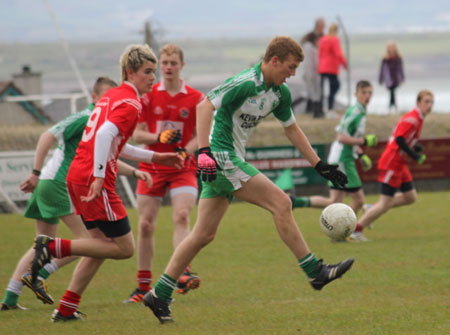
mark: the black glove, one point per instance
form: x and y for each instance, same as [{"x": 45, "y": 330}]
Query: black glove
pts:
[
  {"x": 331, "y": 173},
  {"x": 207, "y": 165},
  {"x": 418, "y": 148}
]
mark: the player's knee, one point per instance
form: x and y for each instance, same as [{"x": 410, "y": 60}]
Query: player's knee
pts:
[
  {"x": 358, "y": 204},
  {"x": 204, "y": 239},
  {"x": 126, "y": 252},
  {"x": 283, "y": 205},
  {"x": 411, "y": 198},
  {"x": 147, "y": 227},
  {"x": 181, "y": 217}
]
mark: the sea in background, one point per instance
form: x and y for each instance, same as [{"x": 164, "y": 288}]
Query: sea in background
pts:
[{"x": 209, "y": 62}]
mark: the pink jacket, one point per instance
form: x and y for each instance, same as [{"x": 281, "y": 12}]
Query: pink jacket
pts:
[{"x": 330, "y": 55}]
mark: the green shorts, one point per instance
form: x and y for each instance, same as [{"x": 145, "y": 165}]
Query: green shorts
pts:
[
  {"x": 49, "y": 201},
  {"x": 229, "y": 179},
  {"x": 349, "y": 168}
]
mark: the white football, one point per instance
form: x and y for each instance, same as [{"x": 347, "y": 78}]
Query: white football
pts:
[{"x": 338, "y": 221}]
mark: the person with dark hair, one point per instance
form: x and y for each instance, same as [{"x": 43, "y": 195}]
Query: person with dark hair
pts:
[
  {"x": 345, "y": 150},
  {"x": 237, "y": 106},
  {"x": 91, "y": 181},
  {"x": 49, "y": 200},
  {"x": 330, "y": 59},
  {"x": 393, "y": 172},
  {"x": 391, "y": 73}
]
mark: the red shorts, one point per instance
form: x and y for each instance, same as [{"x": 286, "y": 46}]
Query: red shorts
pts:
[
  {"x": 395, "y": 178},
  {"x": 173, "y": 180},
  {"x": 107, "y": 207}
]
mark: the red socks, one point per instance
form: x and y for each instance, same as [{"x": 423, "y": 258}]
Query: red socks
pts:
[
  {"x": 359, "y": 228},
  {"x": 144, "y": 279},
  {"x": 59, "y": 247},
  {"x": 69, "y": 303}
]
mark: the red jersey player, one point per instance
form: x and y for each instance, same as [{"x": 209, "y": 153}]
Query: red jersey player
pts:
[
  {"x": 167, "y": 124},
  {"x": 91, "y": 181},
  {"x": 393, "y": 172}
]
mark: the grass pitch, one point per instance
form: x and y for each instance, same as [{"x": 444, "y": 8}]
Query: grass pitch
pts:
[{"x": 251, "y": 284}]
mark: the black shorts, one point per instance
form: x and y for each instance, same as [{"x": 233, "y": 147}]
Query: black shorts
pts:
[
  {"x": 110, "y": 228},
  {"x": 390, "y": 191},
  {"x": 348, "y": 190}
]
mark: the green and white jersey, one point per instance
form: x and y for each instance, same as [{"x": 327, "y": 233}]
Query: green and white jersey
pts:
[
  {"x": 68, "y": 133},
  {"x": 241, "y": 102},
  {"x": 352, "y": 124}
]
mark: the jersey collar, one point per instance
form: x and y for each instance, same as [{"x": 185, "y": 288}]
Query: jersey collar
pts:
[
  {"x": 361, "y": 106},
  {"x": 183, "y": 89},
  {"x": 260, "y": 76},
  {"x": 420, "y": 113},
  {"x": 134, "y": 88}
]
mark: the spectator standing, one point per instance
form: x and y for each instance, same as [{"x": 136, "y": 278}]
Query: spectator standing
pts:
[
  {"x": 330, "y": 58},
  {"x": 391, "y": 72},
  {"x": 311, "y": 77}
]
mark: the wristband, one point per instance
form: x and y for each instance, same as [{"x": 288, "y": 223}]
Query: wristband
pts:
[{"x": 36, "y": 172}]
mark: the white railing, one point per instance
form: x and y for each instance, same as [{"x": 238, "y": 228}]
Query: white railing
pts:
[{"x": 73, "y": 97}]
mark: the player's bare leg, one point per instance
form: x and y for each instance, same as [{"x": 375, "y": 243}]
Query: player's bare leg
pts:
[
  {"x": 148, "y": 212},
  {"x": 406, "y": 198},
  {"x": 210, "y": 213},
  {"x": 259, "y": 190},
  {"x": 148, "y": 207},
  {"x": 209, "y": 216},
  {"x": 358, "y": 199},
  {"x": 182, "y": 205},
  {"x": 322, "y": 202}
]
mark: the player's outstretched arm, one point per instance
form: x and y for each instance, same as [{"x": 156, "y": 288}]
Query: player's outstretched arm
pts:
[
  {"x": 300, "y": 141},
  {"x": 169, "y": 159},
  {"x": 134, "y": 153},
  {"x": 295, "y": 134}
]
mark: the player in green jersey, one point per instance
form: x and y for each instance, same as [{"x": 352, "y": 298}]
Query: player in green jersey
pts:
[
  {"x": 50, "y": 200},
  {"x": 234, "y": 109},
  {"x": 345, "y": 150}
]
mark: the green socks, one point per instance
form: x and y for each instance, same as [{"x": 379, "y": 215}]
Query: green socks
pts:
[
  {"x": 43, "y": 273},
  {"x": 10, "y": 299},
  {"x": 308, "y": 264},
  {"x": 164, "y": 287},
  {"x": 301, "y": 202}
]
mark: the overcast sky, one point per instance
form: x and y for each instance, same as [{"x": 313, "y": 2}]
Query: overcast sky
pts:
[{"x": 96, "y": 20}]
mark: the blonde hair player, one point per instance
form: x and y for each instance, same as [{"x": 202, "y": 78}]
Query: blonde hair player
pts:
[{"x": 91, "y": 181}]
